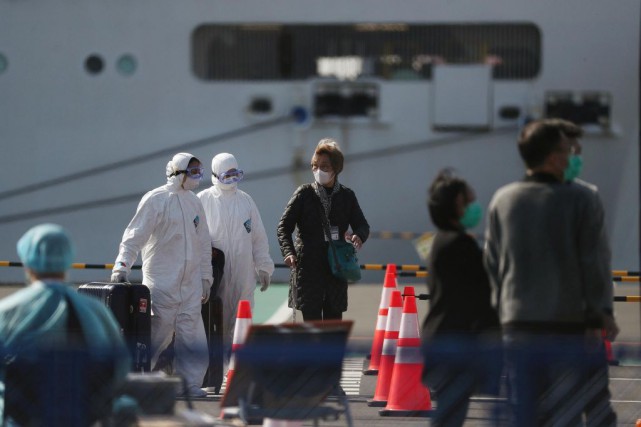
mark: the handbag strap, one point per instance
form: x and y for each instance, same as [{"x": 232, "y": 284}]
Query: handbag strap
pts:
[{"x": 325, "y": 222}]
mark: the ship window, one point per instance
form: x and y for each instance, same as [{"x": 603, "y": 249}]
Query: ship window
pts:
[
  {"x": 94, "y": 64},
  {"x": 126, "y": 65},
  {"x": 4, "y": 63},
  {"x": 388, "y": 51}
]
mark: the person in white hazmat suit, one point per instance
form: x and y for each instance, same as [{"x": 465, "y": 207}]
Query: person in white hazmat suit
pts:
[
  {"x": 170, "y": 231},
  {"x": 236, "y": 228}
]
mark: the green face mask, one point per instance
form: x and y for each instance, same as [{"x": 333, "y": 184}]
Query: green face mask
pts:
[
  {"x": 472, "y": 215},
  {"x": 575, "y": 165}
]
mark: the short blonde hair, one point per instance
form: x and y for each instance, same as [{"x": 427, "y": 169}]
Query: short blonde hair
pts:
[{"x": 330, "y": 147}]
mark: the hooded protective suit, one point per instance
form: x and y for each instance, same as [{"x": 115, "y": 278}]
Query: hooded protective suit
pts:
[
  {"x": 170, "y": 231},
  {"x": 236, "y": 228},
  {"x": 47, "y": 330}
]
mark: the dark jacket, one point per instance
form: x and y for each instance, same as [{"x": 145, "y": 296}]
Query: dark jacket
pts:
[
  {"x": 461, "y": 332},
  {"x": 460, "y": 291},
  {"x": 304, "y": 211}
]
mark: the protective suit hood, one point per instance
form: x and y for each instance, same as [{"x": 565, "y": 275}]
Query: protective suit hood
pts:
[
  {"x": 222, "y": 163},
  {"x": 178, "y": 163}
]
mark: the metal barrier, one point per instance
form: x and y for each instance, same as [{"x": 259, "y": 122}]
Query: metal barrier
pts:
[
  {"x": 405, "y": 270},
  {"x": 623, "y": 298},
  {"x": 78, "y": 265}
]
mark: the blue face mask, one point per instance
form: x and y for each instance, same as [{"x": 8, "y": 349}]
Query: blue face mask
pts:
[
  {"x": 575, "y": 165},
  {"x": 472, "y": 215}
]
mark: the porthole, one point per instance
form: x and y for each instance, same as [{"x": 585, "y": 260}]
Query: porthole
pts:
[
  {"x": 94, "y": 64},
  {"x": 126, "y": 65}
]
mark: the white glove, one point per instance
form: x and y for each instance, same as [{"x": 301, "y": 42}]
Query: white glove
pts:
[
  {"x": 264, "y": 279},
  {"x": 206, "y": 291},
  {"x": 118, "y": 277}
]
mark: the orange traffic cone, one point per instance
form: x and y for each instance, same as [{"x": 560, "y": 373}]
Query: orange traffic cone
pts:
[
  {"x": 408, "y": 397},
  {"x": 381, "y": 321},
  {"x": 388, "y": 354},
  {"x": 389, "y": 269},
  {"x": 243, "y": 322},
  {"x": 608, "y": 350}
]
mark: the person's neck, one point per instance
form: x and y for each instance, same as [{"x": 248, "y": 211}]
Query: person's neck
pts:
[{"x": 547, "y": 170}]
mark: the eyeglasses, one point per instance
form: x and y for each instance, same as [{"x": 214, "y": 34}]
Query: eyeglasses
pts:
[
  {"x": 195, "y": 172},
  {"x": 230, "y": 177}
]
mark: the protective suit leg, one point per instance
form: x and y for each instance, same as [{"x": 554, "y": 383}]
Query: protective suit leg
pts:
[
  {"x": 192, "y": 357},
  {"x": 162, "y": 329}
]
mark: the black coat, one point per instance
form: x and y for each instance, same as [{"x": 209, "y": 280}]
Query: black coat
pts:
[
  {"x": 461, "y": 332},
  {"x": 315, "y": 282},
  {"x": 460, "y": 293}
]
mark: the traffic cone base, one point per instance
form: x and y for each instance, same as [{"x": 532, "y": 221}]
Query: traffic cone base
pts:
[{"x": 401, "y": 413}]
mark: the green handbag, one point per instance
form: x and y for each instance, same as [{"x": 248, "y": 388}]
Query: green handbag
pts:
[{"x": 343, "y": 261}]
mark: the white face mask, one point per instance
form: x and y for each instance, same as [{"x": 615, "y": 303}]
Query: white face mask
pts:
[
  {"x": 226, "y": 187},
  {"x": 191, "y": 183},
  {"x": 322, "y": 177}
]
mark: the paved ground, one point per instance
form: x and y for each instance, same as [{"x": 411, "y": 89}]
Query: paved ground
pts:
[{"x": 625, "y": 380}]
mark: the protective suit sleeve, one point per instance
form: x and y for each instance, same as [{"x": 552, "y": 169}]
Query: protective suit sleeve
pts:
[
  {"x": 137, "y": 233},
  {"x": 205, "y": 244},
  {"x": 119, "y": 277},
  {"x": 206, "y": 291},
  {"x": 260, "y": 244},
  {"x": 264, "y": 278}
]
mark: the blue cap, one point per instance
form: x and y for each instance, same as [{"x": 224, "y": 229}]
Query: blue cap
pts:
[{"x": 46, "y": 248}]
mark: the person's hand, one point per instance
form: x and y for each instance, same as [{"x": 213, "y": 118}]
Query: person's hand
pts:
[
  {"x": 206, "y": 292},
  {"x": 290, "y": 260},
  {"x": 264, "y": 279},
  {"x": 118, "y": 277},
  {"x": 354, "y": 240},
  {"x": 610, "y": 327}
]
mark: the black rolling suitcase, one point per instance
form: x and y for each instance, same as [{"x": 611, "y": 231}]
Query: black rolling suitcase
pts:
[
  {"x": 131, "y": 306},
  {"x": 212, "y": 313}
]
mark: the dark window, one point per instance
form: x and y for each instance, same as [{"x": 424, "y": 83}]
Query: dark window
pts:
[
  {"x": 94, "y": 64},
  {"x": 388, "y": 51}
]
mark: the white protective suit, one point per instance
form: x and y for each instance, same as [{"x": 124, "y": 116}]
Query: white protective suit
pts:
[
  {"x": 236, "y": 228},
  {"x": 170, "y": 231}
]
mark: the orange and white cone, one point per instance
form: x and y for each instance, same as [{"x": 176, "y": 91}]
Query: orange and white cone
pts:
[
  {"x": 408, "y": 397},
  {"x": 389, "y": 285},
  {"x": 388, "y": 353},
  {"x": 608, "y": 350},
  {"x": 243, "y": 323}
]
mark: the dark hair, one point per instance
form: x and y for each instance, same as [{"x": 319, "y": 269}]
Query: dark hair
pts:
[
  {"x": 330, "y": 147},
  {"x": 541, "y": 137},
  {"x": 441, "y": 202}
]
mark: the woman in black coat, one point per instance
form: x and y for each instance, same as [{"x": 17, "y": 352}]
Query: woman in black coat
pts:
[
  {"x": 461, "y": 330},
  {"x": 325, "y": 203}
]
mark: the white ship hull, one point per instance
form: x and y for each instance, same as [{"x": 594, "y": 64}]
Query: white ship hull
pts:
[{"x": 57, "y": 119}]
